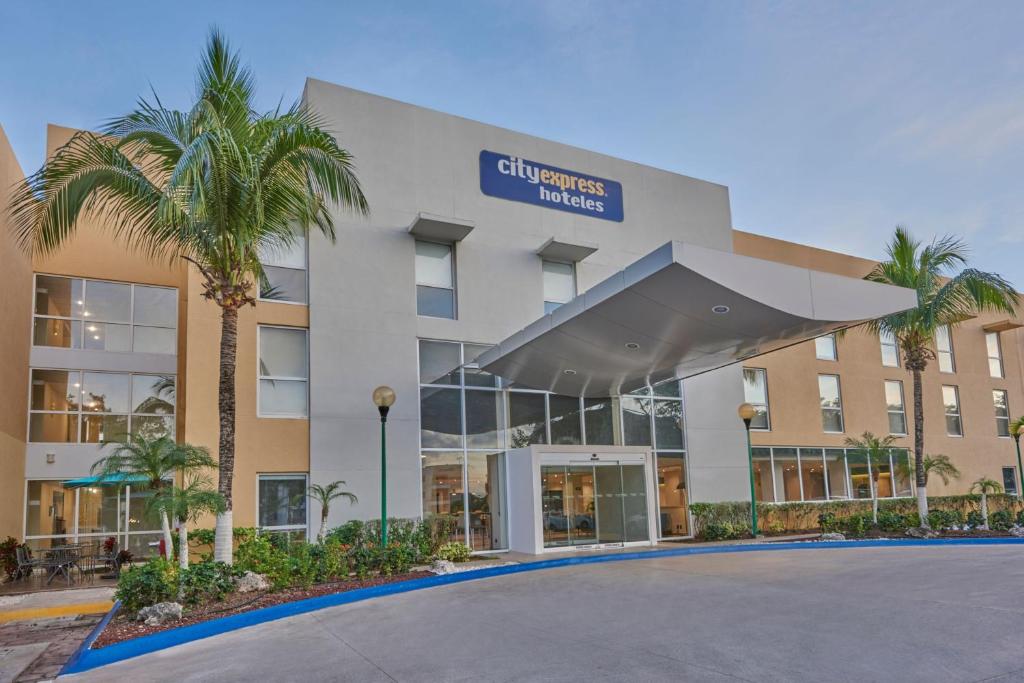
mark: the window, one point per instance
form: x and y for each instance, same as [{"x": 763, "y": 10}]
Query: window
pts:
[
  {"x": 951, "y": 401},
  {"x": 559, "y": 284},
  {"x": 73, "y": 313},
  {"x": 831, "y": 403},
  {"x": 1010, "y": 480},
  {"x": 755, "y": 392},
  {"x": 995, "y": 354},
  {"x": 75, "y": 406},
  {"x": 944, "y": 348},
  {"x": 894, "y": 404},
  {"x": 787, "y": 474},
  {"x": 285, "y": 268},
  {"x": 283, "y": 371},
  {"x": 435, "y": 280},
  {"x": 825, "y": 347},
  {"x": 1002, "y": 407},
  {"x": 890, "y": 351},
  {"x": 281, "y": 506}
]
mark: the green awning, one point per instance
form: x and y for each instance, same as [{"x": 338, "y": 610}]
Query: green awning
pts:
[{"x": 109, "y": 480}]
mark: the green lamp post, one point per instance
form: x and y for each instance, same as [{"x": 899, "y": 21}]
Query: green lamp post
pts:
[
  {"x": 383, "y": 398},
  {"x": 1020, "y": 472},
  {"x": 747, "y": 413}
]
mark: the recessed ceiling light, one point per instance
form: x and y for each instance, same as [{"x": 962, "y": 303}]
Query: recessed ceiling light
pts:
[
  {"x": 570, "y": 371},
  {"x": 720, "y": 309},
  {"x": 632, "y": 346}
]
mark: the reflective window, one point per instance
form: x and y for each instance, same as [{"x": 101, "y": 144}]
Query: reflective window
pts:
[
  {"x": 1010, "y": 480},
  {"x": 995, "y": 354},
  {"x": 812, "y": 474},
  {"x": 1002, "y": 407},
  {"x": 890, "y": 351},
  {"x": 825, "y": 347},
  {"x": 283, "y": 371},
  {"x": 951, "y": 403},
  {"x": 281, "y": 506},
  {"x": 786, "y": 470},
  {"x": 566, "y": 427},
  {"x": 439, "y": 362},
  {"x": 636, "y": 421},
  {"x": 284, "y": 266},
  {"x": 599, "y": 421},
  {"x": 894, "y": 406},
  {"x": 559, "y": 284},
  {"x": 755, "y": 392},
  {"x": 831, "y": 403},
  {"x": 526, "y": 419},
  {"x": 485, "y": 492},
  {"x": 443, "y": 490},
  {"x": 944, "y": 349},
  {"x": 785, "y": 474},
  {"x": 104, "y": 316},
  {"x": 435, "y": 280},
  {"x": 673, "y": 500},
  {"x": 763, "y": 481}
]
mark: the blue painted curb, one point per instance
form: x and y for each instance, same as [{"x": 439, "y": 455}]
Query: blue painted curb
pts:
[
  {"x": 86, "y": 644},
  {"x": 88, "y": 658}
]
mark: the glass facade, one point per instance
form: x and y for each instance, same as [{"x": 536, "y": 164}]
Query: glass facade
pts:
[
  {"x": 75, "y": 313},
  {"x": 784, "y": 474},
  {"x": 283, "y": 371}
]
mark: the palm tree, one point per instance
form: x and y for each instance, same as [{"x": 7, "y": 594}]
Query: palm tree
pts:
[
  {"x": 213, "y": 185},
  {"x": 876, "y": 453},
  {"x": 985, "y": 486},
  {"x": 946, "y": 295},
  {"x": 151, "y": 464},
  {"x": 186, "y": 504},
  {"x": 939, "y": 465},
  {"x": 325, "y": 495}
]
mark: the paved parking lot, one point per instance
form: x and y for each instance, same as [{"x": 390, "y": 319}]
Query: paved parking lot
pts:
[{"x": 857, "y": 614}]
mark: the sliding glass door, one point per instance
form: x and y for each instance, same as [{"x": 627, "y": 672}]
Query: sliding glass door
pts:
[{"x": 588, "y": 504}]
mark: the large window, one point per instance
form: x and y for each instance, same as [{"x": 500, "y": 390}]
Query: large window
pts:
[
  {"x": 944, "y": 348},
  {"x": 825, "y": 347},
  {"x": 784, "y": 474},
  {"x": 283, "y": 372},
  {"x": 995, "y": 354},
  {"x": 69, "y": 406},
  {"x": 281, "y": 506},
  {"x": 559, "y": 284},
  {"x": 55, "y": 516},
  {"x": 890, "y": 351},
  {"x": 435, "y": 280},
  {"x": 951, "y": 403},
  {"x": 285, "y": 268},
  {"x": 755, "y": 392},
  {"x": 1002, "y": 407},
  {"x": 106, "y": 316},
  {"x": 895, "y": 407},
  {"x": 831, "y": 403},
  {"x": 1010, "y": 480}
]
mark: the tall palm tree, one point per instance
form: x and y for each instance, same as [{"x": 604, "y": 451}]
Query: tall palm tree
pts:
[
  {"x": 985, "y": 486},
  {"x": 151, "y": 464},
  {"x": 947, "y": 294},
  {"x": 940, "y": 465},
  {"x": 875, "y": 451},
  {"x": 214, "y": 185},
  {"x": 186, "y": 504},
  {"x": 325, "y": 495}
]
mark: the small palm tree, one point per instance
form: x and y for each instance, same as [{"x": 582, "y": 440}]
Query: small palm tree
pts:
[
  {"x": 325, "y": 495},
  {"x": 151, "y": 464},
  {"x": 186, "y": 504},
  {"x": 946, "y": 295},
  {"x": 876, "y": 452},
  {"x": 985, "y": 486},
  {"x": 214, "y": 185},
  {"x": 940, "y": 465}
]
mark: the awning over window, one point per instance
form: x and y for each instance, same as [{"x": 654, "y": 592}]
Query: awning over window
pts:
[
  {"x": 111, "y": 480},
  {"x": 679, "y": 311}
]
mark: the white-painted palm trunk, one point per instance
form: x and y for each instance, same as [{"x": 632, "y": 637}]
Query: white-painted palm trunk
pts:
[
  {"x": 222, "y": 539},
  {"x": 984, "y": 511},
  {"x": 922, "y": 506},
  {"x": 183, "y": 546},
  {"x": 874, "y": 501},
  {"x": 323, "y": 527},
  {"x": 165, "y": 526}
]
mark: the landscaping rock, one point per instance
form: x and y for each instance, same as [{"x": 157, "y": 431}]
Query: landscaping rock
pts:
[
  {"x": 443, "y": 567},
  {"x": 160, "y": 613},
  {"x": 832, "y": 536},
  {"x": 1017, "y": 531},
  {"x": 251, "y": 581},
  {"x": 921, "y": 532}
]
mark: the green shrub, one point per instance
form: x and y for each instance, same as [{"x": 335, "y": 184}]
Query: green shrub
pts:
[
  {"x": 1020, "y": 518},
  {"x": 945, "y": 519},
  {"x": 331, "y": 559},
  {"x": 1000, "y": 520},
  {"x": 722, "y": 531},
  {"x": 974, "y": 519},
  {"x": 8, "y": 556},
  {"x": 259, "y": 554},
  {"x": 205, "y": 581},
  {"x": 302, "y": 565},
  {"x": 829, "y": 523},
  {"x": 453, "y": 552},
  {"x": 856, "y": 526},
  {"x": 147, "y": 584},
  {"x": 397, "y": 558},
  {"x": 349, "y": 533}
]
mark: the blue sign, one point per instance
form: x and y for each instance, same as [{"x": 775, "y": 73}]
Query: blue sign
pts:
[{"x": 521, "y": 180}]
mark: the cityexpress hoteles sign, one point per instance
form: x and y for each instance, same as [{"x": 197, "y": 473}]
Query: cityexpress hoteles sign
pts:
[{"x": 522, "y": 180}]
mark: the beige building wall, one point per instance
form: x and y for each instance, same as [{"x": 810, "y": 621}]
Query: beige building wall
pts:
[
  {"x": 15, "y": 313},
  {"x": 793, "y": 382}
]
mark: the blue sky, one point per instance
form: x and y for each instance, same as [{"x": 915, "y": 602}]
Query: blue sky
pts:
[{"x": 830, "y": 122}]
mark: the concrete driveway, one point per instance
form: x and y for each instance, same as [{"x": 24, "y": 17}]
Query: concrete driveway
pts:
[{"x": 856, "y": 614}]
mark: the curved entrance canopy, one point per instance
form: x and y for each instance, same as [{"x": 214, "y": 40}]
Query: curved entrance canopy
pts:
[{"x": 680, "y": 311}]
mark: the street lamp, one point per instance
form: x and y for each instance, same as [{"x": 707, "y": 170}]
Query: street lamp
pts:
[
  {"x": 1016, "y": 438},
  {"x": 383, "y": 398},
  {"x": 747, "y": 413}
]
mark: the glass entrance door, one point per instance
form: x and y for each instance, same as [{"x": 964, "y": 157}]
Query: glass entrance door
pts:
[{"x": 593, "y": 503}]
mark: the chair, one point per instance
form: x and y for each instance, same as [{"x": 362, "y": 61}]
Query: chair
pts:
[
  {"x": 107, "y": 559},
  {"x": 60, "y": 561},
  {"x": 26, "y": 563}
]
